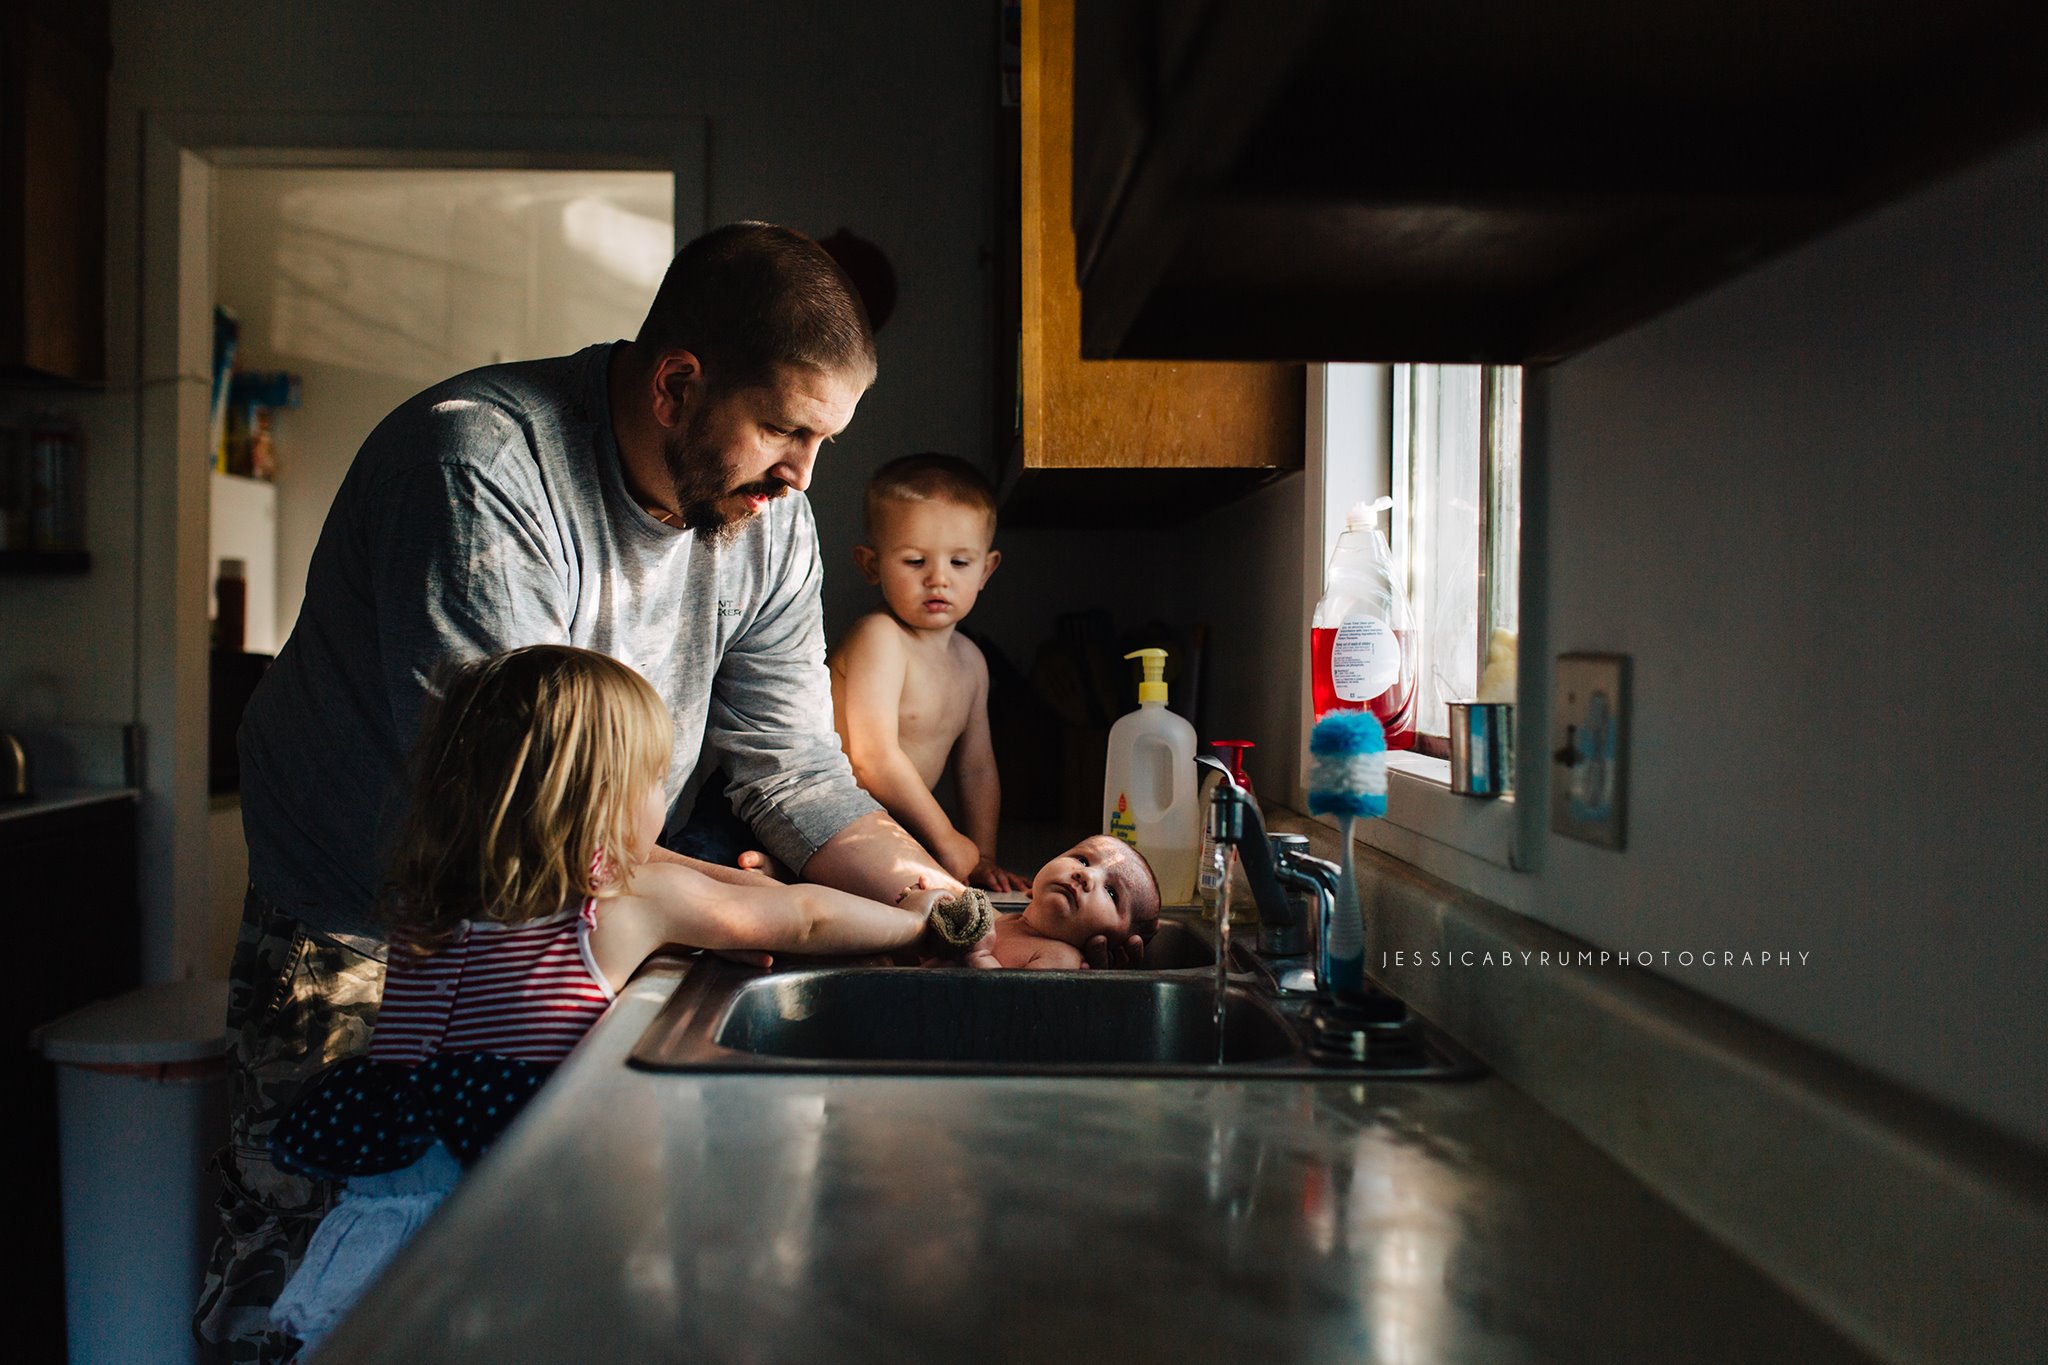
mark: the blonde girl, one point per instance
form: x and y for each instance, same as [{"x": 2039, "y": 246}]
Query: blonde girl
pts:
[
  {"x": 541, "y": 786},
  {"x": 524, "y": 890}
]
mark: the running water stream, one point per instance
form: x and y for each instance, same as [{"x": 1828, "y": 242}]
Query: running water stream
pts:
[{"x": 1229, "y": 852}]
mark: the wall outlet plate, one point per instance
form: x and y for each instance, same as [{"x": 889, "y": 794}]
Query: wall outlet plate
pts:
[{"x": 1589, "y": 748}]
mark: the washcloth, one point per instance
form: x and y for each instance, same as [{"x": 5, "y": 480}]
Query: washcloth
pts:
[{"x": 959, "y": 922}]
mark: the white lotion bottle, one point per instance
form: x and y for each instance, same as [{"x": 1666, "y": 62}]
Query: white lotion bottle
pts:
[{"x": 1148, "y": 791}]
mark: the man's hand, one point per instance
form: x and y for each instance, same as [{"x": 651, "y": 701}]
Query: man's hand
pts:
[
  {"x": 755, "y": 869},
  {"x": 754, "y": 860},
  {"x": 990, "y": 877},
  {"x": 1100, "y": 952}
]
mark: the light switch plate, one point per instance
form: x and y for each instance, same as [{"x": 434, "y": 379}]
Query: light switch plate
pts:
[{"x": 1589, "y": 748}]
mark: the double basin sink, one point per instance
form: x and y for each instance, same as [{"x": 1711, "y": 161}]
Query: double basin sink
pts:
[{"x": 1157, "y": 1020}]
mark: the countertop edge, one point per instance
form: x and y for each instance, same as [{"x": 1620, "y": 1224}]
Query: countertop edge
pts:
[{"x": 556, "y": 1115}]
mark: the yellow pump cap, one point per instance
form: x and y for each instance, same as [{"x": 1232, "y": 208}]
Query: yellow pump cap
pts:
[{"x": 1153, "y": 688}]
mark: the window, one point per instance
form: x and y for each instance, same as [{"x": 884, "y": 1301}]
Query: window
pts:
[
  {"x": 1456, "y": 452},
  {"x": 1445, "y": 443}
]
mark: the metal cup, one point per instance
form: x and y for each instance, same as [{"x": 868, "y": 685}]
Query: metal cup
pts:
[{"x": 1482, "y": 747}]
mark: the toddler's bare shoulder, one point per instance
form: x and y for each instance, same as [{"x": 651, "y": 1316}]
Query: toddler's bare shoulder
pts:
[
  {"x": 967, "y": 658},
  {"x": 878, "y": 625},
  {"x": 873, "y": 634}
]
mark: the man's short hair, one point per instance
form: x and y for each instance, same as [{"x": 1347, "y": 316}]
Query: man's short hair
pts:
[
  {"x": 926, "y": 478},
  {"x": 749, "y": 297}
]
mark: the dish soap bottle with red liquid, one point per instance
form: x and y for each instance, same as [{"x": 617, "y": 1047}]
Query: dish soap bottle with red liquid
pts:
[{"x": 1361, "y": 640}]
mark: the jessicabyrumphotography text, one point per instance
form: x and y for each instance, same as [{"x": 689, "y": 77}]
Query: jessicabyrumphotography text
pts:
[{"x": 1595, "y": 957}]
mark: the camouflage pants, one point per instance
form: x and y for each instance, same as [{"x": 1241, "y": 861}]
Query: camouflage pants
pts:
[{"x": 296, "y": 1002}]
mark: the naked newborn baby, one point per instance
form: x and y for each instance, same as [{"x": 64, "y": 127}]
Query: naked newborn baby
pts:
[{"x": 1099, "y": 886}]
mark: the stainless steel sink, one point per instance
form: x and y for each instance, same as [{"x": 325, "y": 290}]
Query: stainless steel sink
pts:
[
  {"x": 1157, "y": 1022},
  {"x": 922, "y": 1016},
  {"x": 1181, "y": 944}
]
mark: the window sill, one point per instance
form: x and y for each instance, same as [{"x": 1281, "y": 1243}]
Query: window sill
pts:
[
  {"x": 1421, "y": 803},
  {"x": 1420, "y": 799}
]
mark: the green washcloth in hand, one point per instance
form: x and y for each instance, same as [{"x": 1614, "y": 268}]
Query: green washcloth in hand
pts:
[{"x": 959, "y": 922}]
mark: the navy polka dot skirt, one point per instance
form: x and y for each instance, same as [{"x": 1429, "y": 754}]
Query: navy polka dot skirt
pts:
[{"x": 364, "y": 1117}]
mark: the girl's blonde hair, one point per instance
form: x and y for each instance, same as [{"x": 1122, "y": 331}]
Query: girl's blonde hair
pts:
[{"x": 528, "y": 773}]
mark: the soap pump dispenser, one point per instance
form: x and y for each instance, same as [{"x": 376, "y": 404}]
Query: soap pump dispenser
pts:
[{"x": 1148, "y": 790}]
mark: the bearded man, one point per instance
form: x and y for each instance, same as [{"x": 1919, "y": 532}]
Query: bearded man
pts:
[{"x": 633, "y": 498}]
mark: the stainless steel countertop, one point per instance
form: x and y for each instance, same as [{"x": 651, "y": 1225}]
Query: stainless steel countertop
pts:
[{"x": 641, "y": 1215}]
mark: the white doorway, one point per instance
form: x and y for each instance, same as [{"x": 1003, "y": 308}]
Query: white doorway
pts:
[
  {"x": 370, "y": 285},
  {"x": 370, "y": 274},
  {"x": 364, "y": 287}
]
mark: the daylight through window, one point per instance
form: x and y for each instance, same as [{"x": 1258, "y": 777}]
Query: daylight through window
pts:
[{"x": 1456, "y": 530}]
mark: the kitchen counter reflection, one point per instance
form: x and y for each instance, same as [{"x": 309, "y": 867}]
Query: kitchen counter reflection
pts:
[{"x": 643, "y": 1215}]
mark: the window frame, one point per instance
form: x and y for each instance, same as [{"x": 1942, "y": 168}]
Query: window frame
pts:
[{"x": 1480, "y": 844}]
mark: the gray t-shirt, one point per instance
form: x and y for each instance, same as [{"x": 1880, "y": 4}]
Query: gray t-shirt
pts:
[{"x": 490, "y": 512}]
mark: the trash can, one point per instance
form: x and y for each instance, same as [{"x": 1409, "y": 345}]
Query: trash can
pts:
[{"x": 142, "y": 1105}]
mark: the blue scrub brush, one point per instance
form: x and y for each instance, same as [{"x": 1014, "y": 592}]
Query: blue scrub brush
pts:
[{"x": 1347, "y": 778}]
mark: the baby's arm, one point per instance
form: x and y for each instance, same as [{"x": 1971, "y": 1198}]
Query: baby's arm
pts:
[
  {"x": 868, "y": 670},
  {"x": 981, "y": 789},
  {"x": 672, "y": 903}
]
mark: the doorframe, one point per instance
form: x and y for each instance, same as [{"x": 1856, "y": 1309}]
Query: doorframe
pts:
[{"x": 173, "y": 368}]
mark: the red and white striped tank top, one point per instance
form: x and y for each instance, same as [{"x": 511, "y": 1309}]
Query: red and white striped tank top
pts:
[{"x": 528, "y": 990}]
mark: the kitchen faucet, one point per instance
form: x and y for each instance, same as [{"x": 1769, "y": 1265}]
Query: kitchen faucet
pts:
[
  {"x": 1317, "y": 879},
  {"x": 1247, "y": 830},
  {"x": 1274, "y": 865}
]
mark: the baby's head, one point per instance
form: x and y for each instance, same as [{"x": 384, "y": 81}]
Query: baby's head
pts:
[
  {"x": 538, "y": 778},
  {"x": 930, "y": 521},
  {"x": 1099, "y": 886}
]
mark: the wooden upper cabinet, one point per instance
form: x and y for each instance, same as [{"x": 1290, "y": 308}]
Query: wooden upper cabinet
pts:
[
  {"x": 1464, "y": 180},
  {"x": 53, "y": 192},
  {"x": 1241, "y": 422}
]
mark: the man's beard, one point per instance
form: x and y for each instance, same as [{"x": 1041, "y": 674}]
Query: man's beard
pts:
[{"x": 703, "y": 482}]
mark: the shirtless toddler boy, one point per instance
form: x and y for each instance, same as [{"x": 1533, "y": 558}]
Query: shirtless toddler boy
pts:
[
  {"x": 908, "y": 692},
  {"x": 1099, "y": 886}
]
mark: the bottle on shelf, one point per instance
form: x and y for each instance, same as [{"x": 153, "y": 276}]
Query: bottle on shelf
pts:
[
  {"x": 231, "y": 606},
  {"x": 56, "y": 483},
  {"x": 1362, "y": 640},
  {"x": 13, "y": 488}
]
